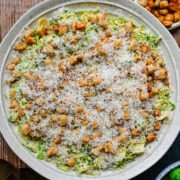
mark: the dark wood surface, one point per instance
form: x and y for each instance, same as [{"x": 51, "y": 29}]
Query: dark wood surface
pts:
[{"x": 10, "y": 11}]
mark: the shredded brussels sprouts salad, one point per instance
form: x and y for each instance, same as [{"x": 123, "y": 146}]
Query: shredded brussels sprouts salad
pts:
[{"x": 88, "y": 90}]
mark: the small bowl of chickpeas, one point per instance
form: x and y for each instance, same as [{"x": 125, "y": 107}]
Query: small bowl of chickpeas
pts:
[{"x": 166, "y": 11}]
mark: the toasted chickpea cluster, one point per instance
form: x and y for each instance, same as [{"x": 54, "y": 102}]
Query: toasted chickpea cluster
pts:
[{"x": 167, "y": 11}]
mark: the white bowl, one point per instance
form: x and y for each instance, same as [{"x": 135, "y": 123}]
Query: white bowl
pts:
[{"x": 171, "y": 55}]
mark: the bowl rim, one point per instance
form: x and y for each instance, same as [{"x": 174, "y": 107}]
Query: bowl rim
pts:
[{"x": 33, "y": 162}]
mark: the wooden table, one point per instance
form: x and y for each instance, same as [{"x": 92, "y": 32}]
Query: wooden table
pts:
[{"x": 10, "y": 11}]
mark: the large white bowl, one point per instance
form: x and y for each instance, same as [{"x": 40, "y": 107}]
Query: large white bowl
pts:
[{"x": 170, "y": 52}]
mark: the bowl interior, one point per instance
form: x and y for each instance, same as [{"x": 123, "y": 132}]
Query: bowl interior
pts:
[{"x": 169, "y": 51}]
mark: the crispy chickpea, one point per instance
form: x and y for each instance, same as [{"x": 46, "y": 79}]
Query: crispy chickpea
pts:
[
  {"x": 21, "y": 112},
  {"x": 72, "y": 39},
  {"x": 20, "y": 47},
  {"x": 35, "y": 118},
  {"x": 157, "y": 3},
  {"x": 123, "y": 138},
  {"x": 36, "y": 78},
  {"x": 63, "y": 119},
  {"x": 26, "y": 129},
  {"x": 49, "y": 51},
  {"x": 143, "y": 96},
  {"x": 30, "y": 40},
  {"x": 55, "y": 27},
  {"x": 163, "y": 12},
  {"x": 154, "y": 90},
  {"x": 161, "y": 18},
  {"x": 151, "y": 137},
  {"x": 151, "y": 4},
  {"x": 154, "y": 53},
  {"x": 161, "y": 74},
  {"x": 143, "y": 3},
  {"x": 95, "y": 124},
  {"x": 62, "y": 131},
  {"x": 160, "y": 62},
  {"x": 60, "y": 89},
  {"x": 10, "y": 66},
  {"x": 155, "y": 12},
  {"x": 79, "y": 57},
  {"x": 13, "y": 104},
  {"x": 96, "y": 80},
  {"x": 84, "y": 83},
  {"x": 173, "y": 6},
  {"x": 144, "y": 48},
  {"x": 86, "y": 139},
  {"x": 53, "y": 150},
  {"x": 151, "y": 68},
  {"x": 169, "y": 17},
  {"x": 72, "y": 60},
  {"x": 53, "y": 118},
  {"x": 16, "y": 73},
  {"x": 163, "y": 4},
  {"x": 49, "y": 31},
  {"x": 117, "y": 43},
  {"x": 96, "y": 135},
  {"x": 80, "y": 25},
  {"x": 157, "y": 125},
  {"x": 99, "y": 108},
  {"x": 74, "y": 27},
  {"x": 166, "y": 81},
  {"x": 53, "y": 97},
  {"x": 84, "y": 122},
  {"x": 126, "y": 114},
  {"x": 177, "y": 16},
  {"x": 133, "y": 44},
  {"x": 144, "y": 113},
  {"x": 40, "y": 101},
  {"x": 28, "y": 106},
  {"x": 92, "y": 19},
  {"x": 75, "y": 132},
  {"x": 122, "y": 130},
  {"x": 15, "y": 61},
  {"x": 71, "y": 162},
  {"x": 41, "y": 30},
  {"x": 47, "y": 61},
  {"x": 63, "y": 29},
  {"x": 103, "y": 20},
  {"x": 156, "y": 112},
  {"x": 149, "y": 61},
  {"x": 63, "y": 68},
  {"x": 125, "y": 103},
  {"x": 135, "y": 132},
  {"x": 109, "y": 32},
  {"x": 57, "y": 140},
  {"x": 43, "y": 113},
  {"x": 167, "y": 23},
  {"x": 137, "y": 58},
  {"x": 79, "y": 109},
  {"x": 109, "y": 148},
  {"x": 96, "y": 151},
  {"x": 100, "y": 50},
  {"x": 27, "y": 75},
  {"x": 129, "y": 26}
]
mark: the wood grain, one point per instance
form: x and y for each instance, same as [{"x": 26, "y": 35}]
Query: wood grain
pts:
[{"x": 10, "y": 11}]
